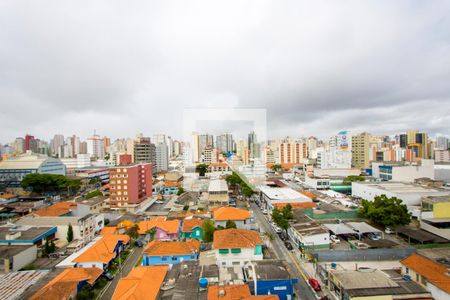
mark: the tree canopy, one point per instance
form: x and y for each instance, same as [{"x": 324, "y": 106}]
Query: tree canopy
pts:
[
  {"x": 132, "y": 232},
  {"x": 234, "y": 180},
  {"x": 276, "y": 167},
  {"x": 352, "y": 178},
  {"x": 180, "y": 191},
  {"x": 69, "y": 233},
  {"x": 45, "y": 183},
  {"x": 389, "y": 212},
  {"x": 230, "y": 224},
  {"x": 93, "y": 194},
  {"x": 208, "y": 231},
  {"x": 201, "y": 169},
  {"x": 282, "y": 216}
]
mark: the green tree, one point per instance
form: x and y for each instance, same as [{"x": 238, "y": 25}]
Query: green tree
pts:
[
  {"x": 133, "y": 232},
  {"x": 180, "y": 191},
  {"x": 201, "y": 169},
  {"x": 389, "y": 212},
  {"x": 93, "y": 194},
  {"x": 276, "y": 167},
  {"x": 151, "y": 232},
  {"x": 49, "y": 247},
  {"x": 186, "y": 207},
  {"x": 233, "y": 179},
  {"x": 352, "y": 178},
  {"x": 208, "y": 231},
  {"x": 230, "y": 224},
  {"x": 69, "y": 233},
  {"x": 287, "y": 212},
  {"x": 45, "y": 183}
]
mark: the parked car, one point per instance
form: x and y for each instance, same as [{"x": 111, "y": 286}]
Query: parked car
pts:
[
  {"x": 288, "y": 245},
  {"x": 277, "y": 229},
  {"x": 283, "y": 236},
  {"x": 108, "y": 276},
  {"x": 374, "y": 237},
  {"x": 159, "y": 202},
  {"x": 314, "y": 284},
  {"x": 139, "y": 243},
  {"x": 265, "y": 211},
  {"x": 389, "y": 230},
  {"x": 335, "y": 239}
]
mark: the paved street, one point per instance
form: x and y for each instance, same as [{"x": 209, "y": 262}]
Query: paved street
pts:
[
  {"x": 129, "y": 264},
  {"x": 302, "y": 289}
]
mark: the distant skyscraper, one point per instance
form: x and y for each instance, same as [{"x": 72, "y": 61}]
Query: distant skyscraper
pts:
[
  {"x": 441, "y": 143},
  {"x": 339, "y": 153},
  {"x": 96, "y": 147},
  {"x": 224, "y": 142},
  {"x": 144, "y": 151},
  {"x": 204, "y": 141},
  {"x": 253, "y": 146},
  {"x": 30, "y": 144},
  {"x": 56, "y": 143},
  {"x": 360, "y": 150},
  {"x": 162, "y": 157},
  {"x": 159, "y": 139},
  {"x": 19, "y": 145}
]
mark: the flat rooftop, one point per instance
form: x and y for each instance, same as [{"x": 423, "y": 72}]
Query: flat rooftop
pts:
[
  {"x": 284, "y": 193},
  {"x": 268, "y": 270},
  {"x": 437, "y": 199},
  {"x": 400, "y": 187},
  {"x": 182, "y": 282},
  {"x": 7, "y": 251},
  {"x": 26, "y": 232}
]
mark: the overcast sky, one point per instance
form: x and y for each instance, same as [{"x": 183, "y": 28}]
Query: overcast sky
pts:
[{"x": 318, "y": 67}]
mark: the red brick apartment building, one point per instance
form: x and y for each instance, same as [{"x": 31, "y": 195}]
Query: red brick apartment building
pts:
[{"x": 130, "y": 184}]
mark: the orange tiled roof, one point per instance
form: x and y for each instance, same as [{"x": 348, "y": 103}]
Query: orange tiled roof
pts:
[
  {"x": 190, "y": 224},
  {"x": 7, "y": 196},
  {"x": 171, "y": 183},
  {"x": 236, "y": 238},
  {"x": 103, "y": 249},
  {"x": 171, "y": 226},
  {"x": 157, "y": 247},
  {"x": 108, "y": 230},
  {"x": 230, "y": 213},
  {"x": 218, "y": 165},
  {"x": 57, "y": 209},
  {"x": 296, "y": 205},
  {"x": 125, "y": 224},
  {"x": 62, "y": 286},
  {"x": 308, "y": 194},
  {"x": 433, "y": 272},
  {"x": 141, "y": 283},
  {"x": 231, "y": 292}
]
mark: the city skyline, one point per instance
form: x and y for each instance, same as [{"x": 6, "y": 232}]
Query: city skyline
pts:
[{"x": 315, "y": 68}]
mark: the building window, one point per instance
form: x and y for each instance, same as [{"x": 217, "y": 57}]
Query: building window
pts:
[
  {"x": 164, "y": 258},
  {"x": 224, "y": 251},
  {"x": 174, "y": 258},
  {"x": 124, "y": 170}
]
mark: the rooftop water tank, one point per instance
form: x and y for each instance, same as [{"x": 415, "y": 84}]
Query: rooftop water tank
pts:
[{"x": 203, "y": 282}]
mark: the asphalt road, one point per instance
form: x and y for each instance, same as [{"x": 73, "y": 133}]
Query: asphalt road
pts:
[
  {"x": 129, "y": 264},
  {"x": 303, "y": 290}
]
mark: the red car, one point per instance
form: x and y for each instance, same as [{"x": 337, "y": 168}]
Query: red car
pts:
[{"x": 314, "y": 284}]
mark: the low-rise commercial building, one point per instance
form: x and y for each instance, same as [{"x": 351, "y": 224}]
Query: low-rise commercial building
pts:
[
  {"x": 272, "y": 197},
  {"x": 308, "y": 234},
  {"x": 25, "y": 235},
  {"x": 13, "y": 170},
  {"x": 14, "y": 258},
  {"x": 403, "y": 171},
  {"x": 409, "y": 193},
  {"x": 435, "y": 215}
]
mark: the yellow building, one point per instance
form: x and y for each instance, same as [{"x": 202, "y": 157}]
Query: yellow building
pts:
[
  {"x": 360, "y": 150},
  {"x": 436, "y": 207}
]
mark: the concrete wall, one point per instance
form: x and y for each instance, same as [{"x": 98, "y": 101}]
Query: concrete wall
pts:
[
  {"x": 24, "y": 258},
  {"x": 442, "y": 232},
  {"x": 230, "y": 259}
]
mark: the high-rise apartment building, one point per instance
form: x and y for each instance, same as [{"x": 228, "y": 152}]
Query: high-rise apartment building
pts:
[
  {"x": 416, "y": 142},
  {"x": 96, "y": 147},
  {"x": 339, "y": 152},
  {"x": 210, "y": 155},
  {"x": 56, "y": 143},
  {"x": 162, "y": 157},
  {"x": 292, "y": 152},
  {"x": 159, "y": 139},
  {"x": 360, "y": 150},
  {"x": 224, "y": 142},
  {"x": 130, "y": 184},
  {"x": 441, "y": 143}
]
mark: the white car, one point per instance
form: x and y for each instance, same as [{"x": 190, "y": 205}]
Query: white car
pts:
[
  {"x": 265, "y": 211},
  {"x": 374, "y": 237},
  {"x": 159, "y": 202},
  {"x": 335, "y": 239},
  {"x": 277, "y": 229},
  {"x": 389, "y": 230}
]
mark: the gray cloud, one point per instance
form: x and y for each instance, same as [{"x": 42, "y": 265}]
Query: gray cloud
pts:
[{"x": 316, "y": 66}]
